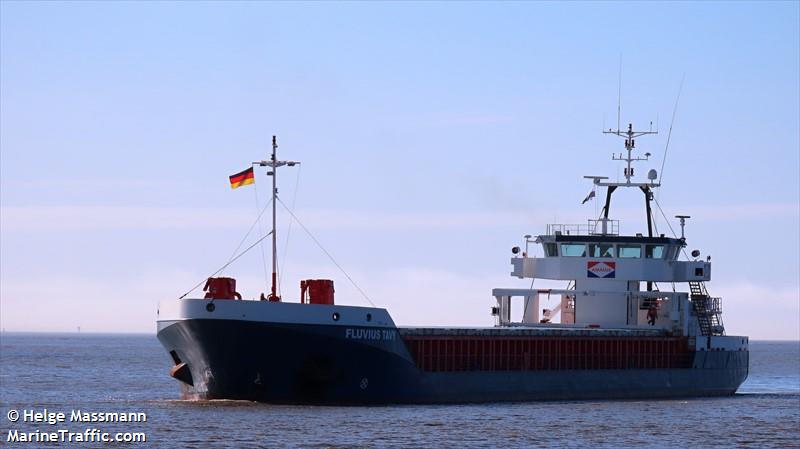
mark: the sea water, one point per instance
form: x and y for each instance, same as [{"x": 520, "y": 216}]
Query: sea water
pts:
[{"x": 111, "y": 375}]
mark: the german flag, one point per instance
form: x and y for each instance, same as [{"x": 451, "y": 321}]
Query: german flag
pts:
[{"x": 242, "y": 178}]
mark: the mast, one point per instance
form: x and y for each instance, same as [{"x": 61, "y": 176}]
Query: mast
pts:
[
  {"x": 647, "y": 188},
  {"x": 630, "y": 144},
  {"x": 274, "y": 163},
  {"x": 273, "y": 291}
]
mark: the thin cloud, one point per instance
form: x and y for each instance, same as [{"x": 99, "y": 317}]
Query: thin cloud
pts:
[
  {"x": 90, "y": 218},
  {"x": 82, "y": 218}
]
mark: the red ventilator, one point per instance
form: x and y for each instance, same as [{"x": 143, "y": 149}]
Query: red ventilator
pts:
[
  {"x": 221, "y": 288},
  {"x": 316, "y": 291}
]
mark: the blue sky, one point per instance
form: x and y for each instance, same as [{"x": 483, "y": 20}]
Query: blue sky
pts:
[{"x": 433, "y": 136}]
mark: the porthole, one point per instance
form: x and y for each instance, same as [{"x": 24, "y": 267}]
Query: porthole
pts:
[
  {"x": 210, "y": 307},
  {"x": 369, "y": 317},
  {"x": 335, "y": 316}
]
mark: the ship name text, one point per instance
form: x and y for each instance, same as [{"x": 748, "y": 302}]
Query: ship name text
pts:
[{"x": 369, "y": 334}]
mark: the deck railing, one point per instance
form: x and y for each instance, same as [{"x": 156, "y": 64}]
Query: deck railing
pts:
[{"x": 592, "y": 227}]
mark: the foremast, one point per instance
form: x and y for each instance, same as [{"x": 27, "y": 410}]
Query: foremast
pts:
[{"x": 273, "y": 164}]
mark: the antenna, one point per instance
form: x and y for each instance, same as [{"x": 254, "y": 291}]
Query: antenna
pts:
[
  {"x": 619, "y": 93},
  {"x": 628, "y": 134},
  {"x": 683, "y": 224},
  {"x": 669, "y": 134}
]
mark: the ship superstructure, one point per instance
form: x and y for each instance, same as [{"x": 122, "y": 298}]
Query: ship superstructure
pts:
[
  {"x": 614, "y": 278},
  {"x": 614, "y": 333}
]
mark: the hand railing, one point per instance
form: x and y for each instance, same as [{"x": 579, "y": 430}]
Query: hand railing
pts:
[{"x": 592, "y": 227}]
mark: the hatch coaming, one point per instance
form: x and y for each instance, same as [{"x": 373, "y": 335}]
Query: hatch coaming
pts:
[{"x": 542, "y": 353}]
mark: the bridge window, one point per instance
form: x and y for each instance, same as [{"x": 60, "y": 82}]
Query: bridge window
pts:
[
  {"x": 654, "y": 251},
  {"x": 630, "y": 251},
  {"x": 550, "y": 250},
  {"x": 672, "y": 252},
  {"x": 601, "y": 250},
  {"x": 573, "y": 250}
]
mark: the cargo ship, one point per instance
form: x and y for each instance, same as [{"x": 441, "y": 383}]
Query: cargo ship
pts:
[{"x": 614, "y": 333}]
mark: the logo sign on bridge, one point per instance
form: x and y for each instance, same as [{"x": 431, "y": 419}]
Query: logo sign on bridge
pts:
[{"x": 604, "y": 270}]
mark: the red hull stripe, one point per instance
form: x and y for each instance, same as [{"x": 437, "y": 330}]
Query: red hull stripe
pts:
[{"x": 533, "y": 354}]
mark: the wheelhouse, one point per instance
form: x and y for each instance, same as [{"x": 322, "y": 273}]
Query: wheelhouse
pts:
[{"x": 611, "y": 247}]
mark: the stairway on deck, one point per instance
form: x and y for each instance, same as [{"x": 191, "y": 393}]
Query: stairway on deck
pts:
[{"x": 706, "y": 309}]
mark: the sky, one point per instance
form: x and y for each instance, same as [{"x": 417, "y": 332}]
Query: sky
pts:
[{"x": 432, "y": 137}]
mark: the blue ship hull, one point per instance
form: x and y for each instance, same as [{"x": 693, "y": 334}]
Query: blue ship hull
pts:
[{"x": 327, "y": 364}]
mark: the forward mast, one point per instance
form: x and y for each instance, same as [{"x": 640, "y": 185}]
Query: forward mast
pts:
[{"x": 273, "y": 163}]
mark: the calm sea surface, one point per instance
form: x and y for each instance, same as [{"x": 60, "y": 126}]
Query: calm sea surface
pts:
[{"x": 128, "y": 373}]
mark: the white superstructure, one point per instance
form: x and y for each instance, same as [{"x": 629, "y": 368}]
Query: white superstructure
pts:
[{"x": 614, "y": 281}]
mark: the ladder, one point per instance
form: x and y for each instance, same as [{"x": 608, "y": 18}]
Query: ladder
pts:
[
  {"x": 706, "y": 309},
  {"x": 698, "y": 289}
]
